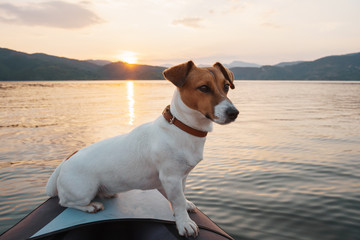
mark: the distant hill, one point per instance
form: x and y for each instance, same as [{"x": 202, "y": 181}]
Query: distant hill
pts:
[
  {"x": 343, "y": 67},
  {"x": 241, "y": 64},
  {"x": 228, "y": 65},
  {"x": 99, "y": 62},
  {"x": 166, "y": 65},
  {"x": 284, "y": 64},
  {"x": 22, "y": 66},
  {"x": 121, "y": 71}
]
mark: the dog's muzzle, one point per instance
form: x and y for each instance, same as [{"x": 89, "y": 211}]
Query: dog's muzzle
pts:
[{"x": 225, "y": 112}]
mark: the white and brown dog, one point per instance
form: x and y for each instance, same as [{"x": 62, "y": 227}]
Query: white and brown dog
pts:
[{"x": 156, "y": 155}]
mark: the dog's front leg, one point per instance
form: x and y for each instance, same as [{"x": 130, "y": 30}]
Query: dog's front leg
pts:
[
  {"x": 190, "y": 207},
  {"x": 173, "y": 187}
]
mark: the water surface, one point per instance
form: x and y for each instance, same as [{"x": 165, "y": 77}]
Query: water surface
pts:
[{"x": 288, "y": 168}]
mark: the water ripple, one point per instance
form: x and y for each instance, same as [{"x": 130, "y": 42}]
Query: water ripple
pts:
[{"x": 288, "y": 168}]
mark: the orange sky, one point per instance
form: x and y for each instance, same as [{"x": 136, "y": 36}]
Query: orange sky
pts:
[{"x": 169, "y": 32}]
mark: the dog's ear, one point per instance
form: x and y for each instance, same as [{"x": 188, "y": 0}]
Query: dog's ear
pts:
[
  {"x": 177, "y": 74},
  {"x": 227, "y": 73}
]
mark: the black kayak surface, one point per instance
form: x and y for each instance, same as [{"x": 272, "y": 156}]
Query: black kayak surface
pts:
[{"x": 137, "y": 214}]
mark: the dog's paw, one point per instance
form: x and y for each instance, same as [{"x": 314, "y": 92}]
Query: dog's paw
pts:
[
  {"x": 94, "y": 207},
  {"x": 187, "y": 228},
  {"x": 190, "y": 207}
]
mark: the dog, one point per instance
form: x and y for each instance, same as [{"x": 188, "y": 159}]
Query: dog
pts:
[{"x": 156, "y": 155}]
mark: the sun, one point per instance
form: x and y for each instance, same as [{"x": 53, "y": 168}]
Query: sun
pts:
[{"x": 128, "y": 57}]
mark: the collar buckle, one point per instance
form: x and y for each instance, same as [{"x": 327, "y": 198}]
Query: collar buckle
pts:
[{"x": 171, "y": 121}]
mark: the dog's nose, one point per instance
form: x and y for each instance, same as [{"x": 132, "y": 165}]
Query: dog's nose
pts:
[{"x": 232, "y": 113}]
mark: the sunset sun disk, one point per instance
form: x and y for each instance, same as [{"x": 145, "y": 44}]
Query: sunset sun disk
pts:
[{"x": 128, "y": 57}]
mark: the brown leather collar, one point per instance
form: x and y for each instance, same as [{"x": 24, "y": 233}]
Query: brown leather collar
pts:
[{"x": 172, "y": 120}]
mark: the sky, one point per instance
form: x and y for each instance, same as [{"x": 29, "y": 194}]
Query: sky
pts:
[{"x": 159, "y": 32}]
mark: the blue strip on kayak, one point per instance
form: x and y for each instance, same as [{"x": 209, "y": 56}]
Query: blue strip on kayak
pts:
[{"x": 135, "y": 204}]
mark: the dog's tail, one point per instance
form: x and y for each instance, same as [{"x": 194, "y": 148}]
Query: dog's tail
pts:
[{"x": 51, "y": 186}]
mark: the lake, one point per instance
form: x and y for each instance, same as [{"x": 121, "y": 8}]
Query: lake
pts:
[{"x": 287, "y": 168}]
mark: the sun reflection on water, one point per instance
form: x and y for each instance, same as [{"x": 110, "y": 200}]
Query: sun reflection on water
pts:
[{"x": 131, "y": 101}]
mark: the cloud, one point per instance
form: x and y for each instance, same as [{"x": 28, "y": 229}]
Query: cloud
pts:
[
  {"x": 188, "y": 22},
  {"x": 50, "y": 14}
]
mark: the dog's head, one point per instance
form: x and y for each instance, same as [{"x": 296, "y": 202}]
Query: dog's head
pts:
[{"x": 205, "y": 89}]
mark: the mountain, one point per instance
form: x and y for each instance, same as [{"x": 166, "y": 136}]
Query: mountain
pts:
[
  {"x": 166, "y": 65},
  {"x": 342, "y": 67},
  {"x": 38, "y": 66},
  {"x": 121, "y": 70},
  {"x": 241, "y": 64},
  {"x": 22, "y": 66},
  {"x": 99, "y": 62},
  {"x": 233, "y": 64},
  {"x": 284, "y": 64}
]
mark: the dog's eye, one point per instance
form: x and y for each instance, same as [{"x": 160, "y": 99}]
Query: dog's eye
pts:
[
  {"x": 204, "y": 89},
  {"x": 226, "y": 87}
]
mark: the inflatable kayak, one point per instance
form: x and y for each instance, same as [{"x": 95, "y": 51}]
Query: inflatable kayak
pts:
[{"x": 137, "y": 214}]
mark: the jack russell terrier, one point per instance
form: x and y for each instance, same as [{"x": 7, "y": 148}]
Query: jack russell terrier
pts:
[{"x": 156, "y": 155}]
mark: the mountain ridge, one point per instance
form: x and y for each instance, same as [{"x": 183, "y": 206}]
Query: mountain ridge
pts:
[
  {"x": 15, "y": 65},
  {"x": 337, "y": 67}
]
